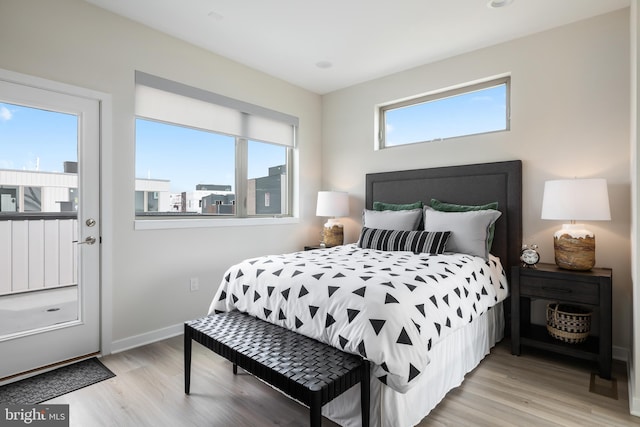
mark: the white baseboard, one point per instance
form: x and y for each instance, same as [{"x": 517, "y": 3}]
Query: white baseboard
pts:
[
  {"x": 634, "y": 402},
  {"x": 620, "y": 353},
  {"x": 146, "y": 338}
]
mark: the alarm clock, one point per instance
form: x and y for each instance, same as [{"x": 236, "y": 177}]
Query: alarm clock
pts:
[{"x": 529, "y": 256}]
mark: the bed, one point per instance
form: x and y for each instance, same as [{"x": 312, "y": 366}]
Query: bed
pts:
[{"x": 418, "y": 353}]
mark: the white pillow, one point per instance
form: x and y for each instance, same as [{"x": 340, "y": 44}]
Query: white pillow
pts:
[
  {"x": 469, "y": 230},
  {"x": 392, "y": 220}
]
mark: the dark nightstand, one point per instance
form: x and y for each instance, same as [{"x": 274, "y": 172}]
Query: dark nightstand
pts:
[{"x": 591, "y": 289}]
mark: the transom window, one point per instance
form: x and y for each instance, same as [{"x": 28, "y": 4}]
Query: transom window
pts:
[
  {"x": 473, "y": 109},
  {"x": 205, "y": 155}
]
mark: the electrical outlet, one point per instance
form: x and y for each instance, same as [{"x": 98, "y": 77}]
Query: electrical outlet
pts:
[{"x": 195, "y": 284}]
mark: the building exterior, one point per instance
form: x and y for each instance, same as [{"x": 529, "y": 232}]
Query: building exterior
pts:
[
  {"x": 268, "y": 195},
  {"x": 213, "y": 187},
  {"x": 37, "y": 191},
  {"x": 34, "y": 191},
  {"x": 219, "y": 203},
  {"x": 152, "y": 195}
]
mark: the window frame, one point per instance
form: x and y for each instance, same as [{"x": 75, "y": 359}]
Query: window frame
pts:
[
  {"x": 441, "y": 95},
  {"x": 241, "y": 217}
]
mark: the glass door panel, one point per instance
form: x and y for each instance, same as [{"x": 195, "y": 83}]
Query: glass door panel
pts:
[
  {"x": 49, "y": 188},
  {"x": 38, "y": 218}
]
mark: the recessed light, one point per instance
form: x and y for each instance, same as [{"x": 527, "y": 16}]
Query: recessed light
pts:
[
  {"x": 495, "y": 4},
  {"x": 324, "y": 64}
]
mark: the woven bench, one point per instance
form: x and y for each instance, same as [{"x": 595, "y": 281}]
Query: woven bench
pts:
[{"x": 303, "y": 368}]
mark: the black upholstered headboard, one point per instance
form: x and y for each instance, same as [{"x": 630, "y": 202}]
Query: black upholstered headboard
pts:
[{"x": 469, "y": 184}]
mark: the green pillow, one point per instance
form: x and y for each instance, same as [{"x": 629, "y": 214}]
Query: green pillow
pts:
[
  {"x": 382, "y": 206},
  {"x": 453, "y": 207}
]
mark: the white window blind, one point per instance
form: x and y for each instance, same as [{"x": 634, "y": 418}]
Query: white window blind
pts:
[{"x": 172, "y": 102}]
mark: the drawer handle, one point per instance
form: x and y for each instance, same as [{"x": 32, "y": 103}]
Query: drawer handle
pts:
[{"x": 559, "y": 290}]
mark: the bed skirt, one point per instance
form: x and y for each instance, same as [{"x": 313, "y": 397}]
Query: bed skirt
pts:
[{"x": 451, "y": 360}]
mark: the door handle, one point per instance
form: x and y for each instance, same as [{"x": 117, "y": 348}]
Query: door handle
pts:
[{"x": 88, "y": 241}]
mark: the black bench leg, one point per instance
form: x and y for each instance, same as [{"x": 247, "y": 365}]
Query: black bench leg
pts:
[
  {"x": 187, "y": 359},
  {"x": 365, "y": 394},
  {"x": 235, "y": 369},
  {"x": 315, "y": 417}
]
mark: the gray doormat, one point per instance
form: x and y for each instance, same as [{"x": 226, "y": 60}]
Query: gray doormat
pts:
[{"x": 57, "y": 382}]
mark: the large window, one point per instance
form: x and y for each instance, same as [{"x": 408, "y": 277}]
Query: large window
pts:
[
  {"x": 205, "y": 155},
  {"x": 470, "y": 110}
]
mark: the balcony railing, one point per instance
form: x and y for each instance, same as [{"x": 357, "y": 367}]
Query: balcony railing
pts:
[{"x": 37, "y": 251}]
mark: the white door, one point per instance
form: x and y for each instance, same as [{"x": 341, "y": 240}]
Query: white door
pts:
[{"x": 49, "y": 227}]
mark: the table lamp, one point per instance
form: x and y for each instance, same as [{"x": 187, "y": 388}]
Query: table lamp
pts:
[
  {"x": 575, "y": 199},
  {"x": 332, "y": 204}
]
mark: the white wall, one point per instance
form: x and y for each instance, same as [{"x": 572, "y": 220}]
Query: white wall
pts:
[
  {"x": 634, "y": 333},
  {"x": 569, "y": 117},
  {"x": 74, "y": 42}
]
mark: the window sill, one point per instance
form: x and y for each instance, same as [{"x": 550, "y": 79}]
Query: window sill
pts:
[{"x": 166, "y": 224}]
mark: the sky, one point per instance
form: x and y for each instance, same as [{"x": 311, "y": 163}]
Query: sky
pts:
[
  {"x": 465, "y": 114},
  {"x": 189, "y": 156},
  {"x": 34, "y": 139}
]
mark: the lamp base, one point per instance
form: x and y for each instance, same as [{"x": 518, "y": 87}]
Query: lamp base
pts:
[
  {"x": 333, "y": 233},
  {"x": 575, "y": 247}
]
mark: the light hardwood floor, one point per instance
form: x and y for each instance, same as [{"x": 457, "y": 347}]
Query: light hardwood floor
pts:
[{"x": 535, "y": 389}]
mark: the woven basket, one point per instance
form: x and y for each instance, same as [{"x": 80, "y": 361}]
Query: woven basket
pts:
[{"x": 568, "y": 323}]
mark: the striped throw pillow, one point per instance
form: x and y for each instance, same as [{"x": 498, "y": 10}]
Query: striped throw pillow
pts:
[{"x": 431, "y": 242}]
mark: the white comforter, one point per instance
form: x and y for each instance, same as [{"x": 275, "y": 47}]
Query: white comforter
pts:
[{"x": 389, "y": 307}]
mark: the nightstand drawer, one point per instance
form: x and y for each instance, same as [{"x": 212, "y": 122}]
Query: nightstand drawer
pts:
[{"x": 569, "y": 291}]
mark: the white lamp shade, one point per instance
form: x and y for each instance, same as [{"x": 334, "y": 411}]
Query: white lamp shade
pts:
[
  {"x": 576, "y": 199},
  {"x": 332, "y": 203}
]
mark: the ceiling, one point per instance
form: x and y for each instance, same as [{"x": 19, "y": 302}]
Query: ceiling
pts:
[{"x": 327, "y": 45}]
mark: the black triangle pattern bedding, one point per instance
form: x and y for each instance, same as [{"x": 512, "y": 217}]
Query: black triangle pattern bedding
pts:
[{"x": 389, "y": 307}]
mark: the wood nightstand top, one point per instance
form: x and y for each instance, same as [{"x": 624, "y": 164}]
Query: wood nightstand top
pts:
[{"x": 553, "y": 268}]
